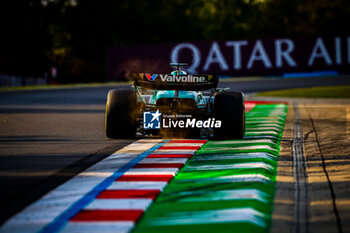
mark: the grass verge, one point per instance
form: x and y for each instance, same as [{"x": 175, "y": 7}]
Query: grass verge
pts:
[{"x": 311, "y": 92}]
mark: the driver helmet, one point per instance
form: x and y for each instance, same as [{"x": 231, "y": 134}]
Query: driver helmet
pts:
[{"x": 176, "y": 72}]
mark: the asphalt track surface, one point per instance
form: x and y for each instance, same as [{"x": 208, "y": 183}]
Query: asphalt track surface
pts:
[
  {"x": 49, "y": 136},
  {"x": 227, "y": 184}
]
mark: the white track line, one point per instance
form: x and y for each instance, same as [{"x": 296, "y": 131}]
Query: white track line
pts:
[
  {"x": 98, "y": 227},
  {"x": 234, "y": 178},
  {"x": 264, "y": 122},
  {"x": 221, "y": 195},
  {"x": 267, "y": 141},
  {"x": 184, "y": 144},
  {"x": 152, "y": 171},
  {"x": 138, "y": 185},
  {"x": 267, "y": 147},
  {"x": 163, "y": 160},
  {"x": 119, "y": 204},
  {"x": 212, "y": 216},
  {"x": 263, "y": 132},
  {"x": 264, "y": 128},
  {"x": 230, "y": 166},
  {"x": 173, "y": 152},
  {"x": 248, "y": 155}
]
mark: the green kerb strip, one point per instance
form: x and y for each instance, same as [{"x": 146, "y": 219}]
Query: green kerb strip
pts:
[{"x": 228, "y": 186}]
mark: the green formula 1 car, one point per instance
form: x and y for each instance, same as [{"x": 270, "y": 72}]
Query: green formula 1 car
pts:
[{"x": 175, "y": 105}]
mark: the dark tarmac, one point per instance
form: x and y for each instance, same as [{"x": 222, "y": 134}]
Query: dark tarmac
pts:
[{"x": 48, "y": 136}]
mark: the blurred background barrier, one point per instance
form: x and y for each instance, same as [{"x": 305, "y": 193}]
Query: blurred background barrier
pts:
[
  {"x": 101, "y": 40},
  {"x": 14, "y": 81},
  {"x": 287, "y": 57}
]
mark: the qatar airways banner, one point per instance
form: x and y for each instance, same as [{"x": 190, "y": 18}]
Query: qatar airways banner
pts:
[{"x": 233, "y": 57}]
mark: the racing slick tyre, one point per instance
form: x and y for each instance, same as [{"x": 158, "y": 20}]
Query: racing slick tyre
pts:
[
  {"x": 120, "y": 121},
  {"x": 229, "y": 108}
]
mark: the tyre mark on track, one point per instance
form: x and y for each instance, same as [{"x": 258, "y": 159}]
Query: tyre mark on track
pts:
[
  {"x": 301, "y": 195},
  {"x": 335, "y": 210}
]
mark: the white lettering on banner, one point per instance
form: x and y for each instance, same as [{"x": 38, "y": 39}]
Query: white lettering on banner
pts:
[
  {"x": 237, "y": 61},
  {"x": 338, "y": 59},
  {"x": 215, "y": 56},
  {"x": 196, "y": 56},
  {"x": 319, "y": 46},
  {"x": 245, "y": 54},
  {"x": 280, "y": 54},
  {"x": 259, "y": 53}
]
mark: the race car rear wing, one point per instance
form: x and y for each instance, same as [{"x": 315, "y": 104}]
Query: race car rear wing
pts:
[{"x": 176, "y": 82}]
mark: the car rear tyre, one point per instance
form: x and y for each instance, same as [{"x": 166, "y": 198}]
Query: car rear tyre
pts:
[
  {"x": 229, "y": 108},
  {"x": 121, "y": 107}
]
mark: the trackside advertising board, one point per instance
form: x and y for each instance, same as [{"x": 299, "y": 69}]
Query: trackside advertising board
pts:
[{"x": 233, "y": 57}]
